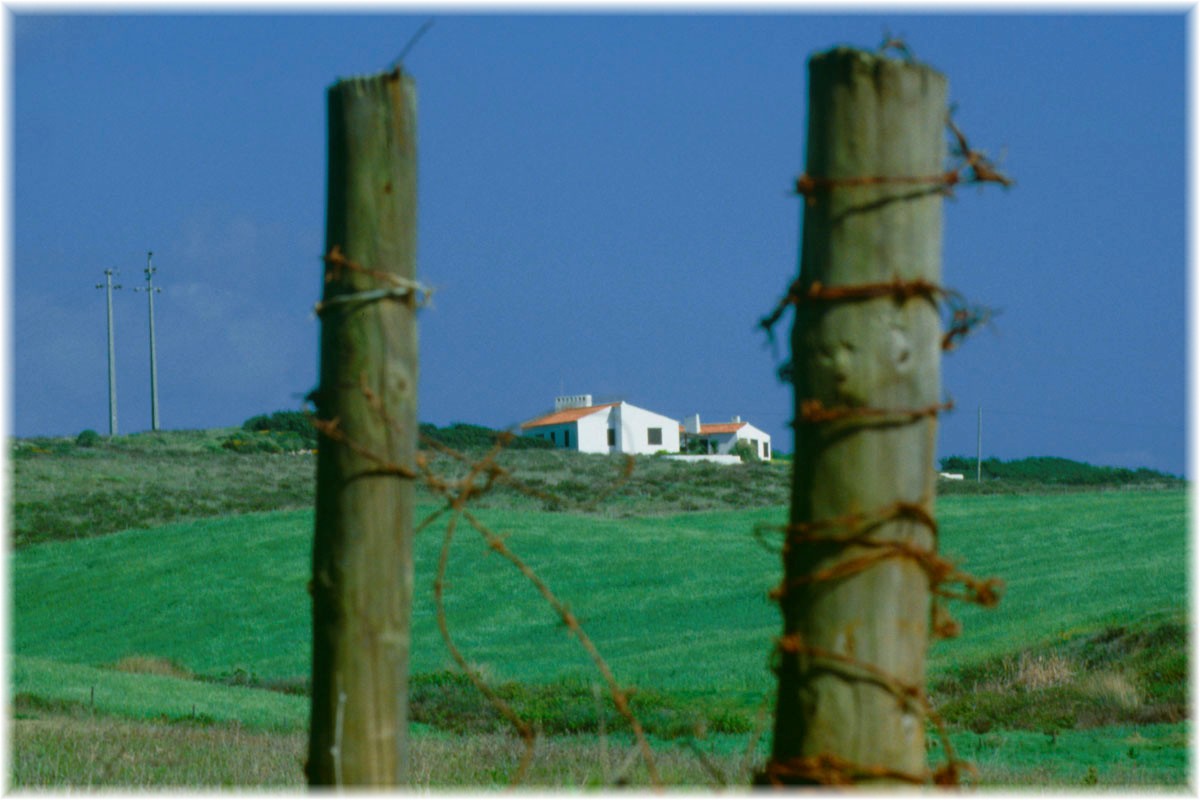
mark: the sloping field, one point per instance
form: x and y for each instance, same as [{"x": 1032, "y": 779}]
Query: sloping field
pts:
[{"x": 673, "y": 602}]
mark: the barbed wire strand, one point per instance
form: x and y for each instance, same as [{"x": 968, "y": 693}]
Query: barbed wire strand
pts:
[
  {"x": 524, "y": 730},
  {"x": 856, "y": 530},
  {"x": 456, "y": 494}
]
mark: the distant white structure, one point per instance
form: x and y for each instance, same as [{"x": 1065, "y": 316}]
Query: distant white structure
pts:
[
  {"x": 721, "y": 437},
  {"x": 577, "y": 424},
  {"x": 711, "y": 459}
]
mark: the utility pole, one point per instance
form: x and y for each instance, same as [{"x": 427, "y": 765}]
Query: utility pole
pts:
[
  {"x": 979, "y": 448},
  {"x": 150, "y": 290},
  {"x": 108, "y": 287}
]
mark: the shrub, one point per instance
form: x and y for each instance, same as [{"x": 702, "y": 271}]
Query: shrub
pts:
[
  {"x": 745, "y": 451},
  {"x": 1053, "y": 471},
  {"x": 295, "y": 423},
  {"x": 264, "y": 442},
  {"x": 88, "y": 438},
  {"x": 462, "y": 436}
]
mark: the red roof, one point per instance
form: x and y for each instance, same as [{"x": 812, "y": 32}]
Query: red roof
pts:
[
  {"x": 722, "y": 427},
  {"x": 566, "y": 415},
  {"x": 718, "y": 427}
]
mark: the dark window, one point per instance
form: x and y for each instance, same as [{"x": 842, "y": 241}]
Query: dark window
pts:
[
  {"x": 566, "y": 438},
  {"x": 612, "y": 437},
  {"x": 766, "y": 450},
  {"x": 552, "y": 439},
  {"x": 654, "y": 435}
]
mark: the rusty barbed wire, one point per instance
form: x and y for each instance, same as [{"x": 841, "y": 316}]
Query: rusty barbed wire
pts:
[
  {"x": 856, "y": 531},
  {"x": 414, "y": 293},
  {"x": 896, "y": 43},
  {"x": 962, "y": 318},
  {"x": 457, "y": 494},
  {"x": 523, "y": 728},
  {"x": 974, "y": 168},
  {"x": 815, "y": 412},
  {"x": 481, "y": 477}
]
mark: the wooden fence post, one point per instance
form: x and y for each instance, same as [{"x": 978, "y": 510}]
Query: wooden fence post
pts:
[
  {"x": 367, "y": 415},
  {"x": 866, "y": 368}
]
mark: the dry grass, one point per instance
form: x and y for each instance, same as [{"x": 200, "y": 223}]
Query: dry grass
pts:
[
  {"x": 84, "y": 752},
  {"x": 95, "y": 752},
  {"x": 73, "y": 749},
  {"x": 1029, "y": 672},
  {"x": 1041, "y": 671},
  {"x": 153, "y": 665},
  {"x": 1112, "y": 688},
  {"x": 566, "y": 762}
]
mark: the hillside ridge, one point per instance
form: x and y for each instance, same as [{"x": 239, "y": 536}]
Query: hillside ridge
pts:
[{"x": 68, "y": 488}]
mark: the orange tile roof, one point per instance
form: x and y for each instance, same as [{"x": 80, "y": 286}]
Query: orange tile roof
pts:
[
  {"x": 566, "y": 415},
  {"x": 720, "y": 427}
]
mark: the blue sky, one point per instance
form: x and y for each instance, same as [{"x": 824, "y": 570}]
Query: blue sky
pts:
[{"x": 604, "y": 209}]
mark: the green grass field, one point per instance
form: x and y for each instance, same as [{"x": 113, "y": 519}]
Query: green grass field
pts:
[{"x": 676, "y": 602}]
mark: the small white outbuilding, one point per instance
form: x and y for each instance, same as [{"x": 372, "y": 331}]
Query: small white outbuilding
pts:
[
  {"x": 721, "y": 437},
  {"x": 619, "y": 427}
]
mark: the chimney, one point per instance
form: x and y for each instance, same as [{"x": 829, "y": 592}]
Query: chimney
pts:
[
  {"x": 617, "y": 423},
  {"x": 572, "y": 401},
  {"x": 692, "y": 424},
  {"x": 737, "y": 418}
]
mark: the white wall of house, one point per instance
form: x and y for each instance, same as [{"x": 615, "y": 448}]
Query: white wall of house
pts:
[
  {"x": 712, "y": 459},
  {"x": 634, "y": 430},
  {"x": 593, "y": 432},
  {"x": 760, "y": 439},
  {"x": 723, "y": 443},
  {"x": 643, "y": 432}
]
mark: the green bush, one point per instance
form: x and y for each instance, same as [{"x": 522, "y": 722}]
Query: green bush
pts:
[
  {"x": 1053, "y": 471},
  {"x": 462, "y": 436},
  {"x": 265, "y": 442},
  {"x": 449, "y": 701},
  {"x": 88, "y": 438},
  {"x": 296, "y": 423},
  {"x": 745, "y": 451}
]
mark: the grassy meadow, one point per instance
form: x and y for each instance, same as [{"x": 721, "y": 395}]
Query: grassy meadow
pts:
[{"x": 172, "y": 649}]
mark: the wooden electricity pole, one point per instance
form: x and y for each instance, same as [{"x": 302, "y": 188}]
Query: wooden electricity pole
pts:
[
  {"x": 866, "y": 368},
  {"x": 150, "y": 291},
  {"x": 108, "y": 286},
  {"x": 367, "y": 413},
  {"x": 979, "y": 447}
]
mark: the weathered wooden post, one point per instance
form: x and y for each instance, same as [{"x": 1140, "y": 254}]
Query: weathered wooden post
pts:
[
  {"x": 866, "y": 368},
  {"x": 367, "y": 415}
]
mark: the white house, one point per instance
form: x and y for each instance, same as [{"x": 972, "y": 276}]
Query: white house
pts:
[
  {"x": 618, "y": 427},
  {"x": 722, "y": 437}
]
